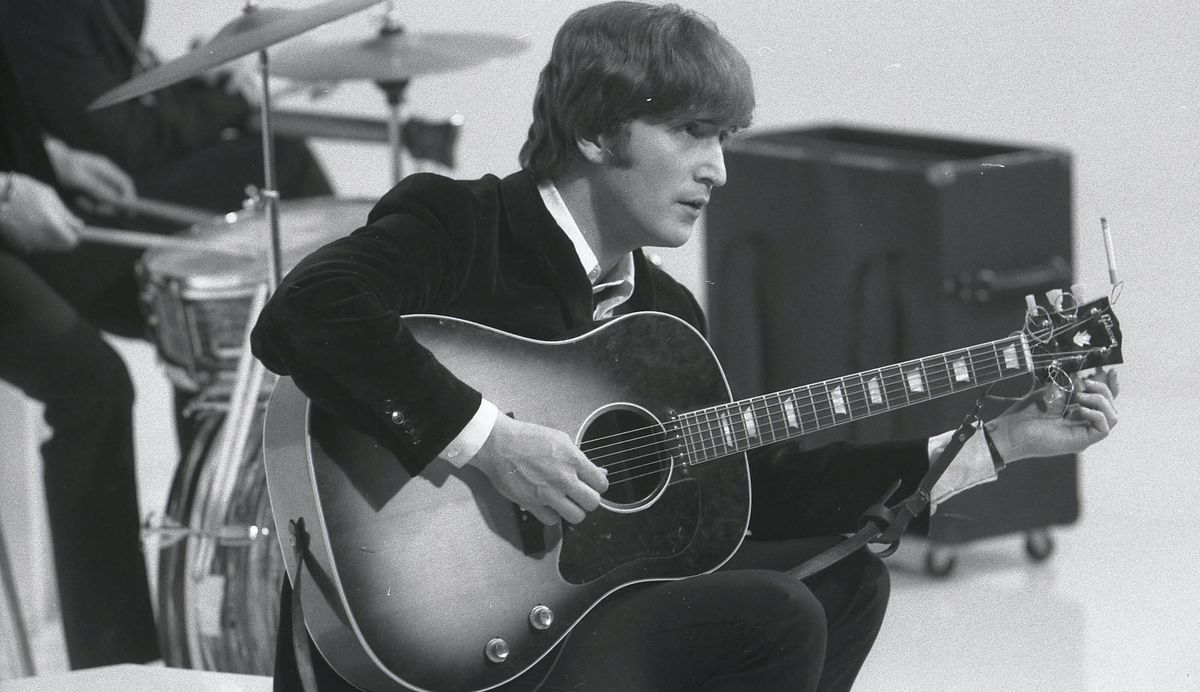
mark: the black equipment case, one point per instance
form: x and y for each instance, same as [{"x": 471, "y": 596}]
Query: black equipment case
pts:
[{"x": 834, "y": 249}]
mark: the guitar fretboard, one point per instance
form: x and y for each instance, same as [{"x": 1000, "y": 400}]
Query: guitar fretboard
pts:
[{"x": 739, "y": 426}]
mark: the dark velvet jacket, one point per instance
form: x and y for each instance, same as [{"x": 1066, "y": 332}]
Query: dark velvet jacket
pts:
[{"x": 488, "y": 251}]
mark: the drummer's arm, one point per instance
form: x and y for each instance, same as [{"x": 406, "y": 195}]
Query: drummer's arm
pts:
[
  {"x": 334, "y": 326},
  {"x": 63, "y": 69}
]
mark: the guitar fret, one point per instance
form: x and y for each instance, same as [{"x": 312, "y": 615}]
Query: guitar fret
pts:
[
  {"x": 940, "y": 382},
  {"x": 823, "y": 408},
  {"x": 837, "y": 401},
  {"x": 723, "y": 426},
  {"x": 962, "y": 372},
  {"x": 997, "y": 360},
  {"x": 895, "y": 388},
  {"x": 722, "y": 430},
  {"x": 791, "y": 416},
  {"x": 704, "y": 430},
  {"x": 1012, "y": 359},
  {"x": 859, "y": 394},
  {"x": 915, "y": 383},
  {"x": 983, "y": 364},
  {"x": 714, "y": 432},
  {"x": 876, "y": 393},
  {"x": 766, "y": 421},
  {"x": 689, "y": 444}
]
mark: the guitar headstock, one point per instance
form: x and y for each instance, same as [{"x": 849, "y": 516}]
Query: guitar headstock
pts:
[{"x": 1073, "y": 337}]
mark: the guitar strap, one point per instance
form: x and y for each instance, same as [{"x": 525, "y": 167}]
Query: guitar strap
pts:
[
  {"x": 301, "y": 648},
  {"x": 883, "y": 524}
]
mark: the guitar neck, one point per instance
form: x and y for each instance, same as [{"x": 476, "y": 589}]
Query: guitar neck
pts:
[{"x": 739, "y": 426}]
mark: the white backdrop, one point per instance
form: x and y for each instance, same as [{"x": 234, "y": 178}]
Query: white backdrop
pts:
[{"x": 1111, "y": 81}]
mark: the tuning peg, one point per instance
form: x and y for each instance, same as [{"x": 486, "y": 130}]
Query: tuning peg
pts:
[
  {"x": 1054, "y": 298},
  {"x": 1030, "y": 304}
]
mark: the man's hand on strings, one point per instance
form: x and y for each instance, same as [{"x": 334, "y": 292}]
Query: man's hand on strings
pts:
[
  {"x": 541, "y": 470},
  {"x": 1049, "y": 421}
]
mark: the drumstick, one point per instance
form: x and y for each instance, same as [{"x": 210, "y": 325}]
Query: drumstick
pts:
[
  {"x": 116, "y": 236},
  {"x": 165, "y": 211}
]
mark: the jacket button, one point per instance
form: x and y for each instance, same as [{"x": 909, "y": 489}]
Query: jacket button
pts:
[{"x": 398, "y": 418}]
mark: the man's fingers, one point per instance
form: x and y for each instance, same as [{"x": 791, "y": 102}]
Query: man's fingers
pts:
[
  {"x": 1091, "y": 417},
  {"x": 585, "y": 496},
  {"x": 593, "y": 475},
  {"x": 543, "y": 514},
  {"x": 567, "y": 509},
  {"x": 1101, "y": 404},
  {"x": 1110, "y": 378}
]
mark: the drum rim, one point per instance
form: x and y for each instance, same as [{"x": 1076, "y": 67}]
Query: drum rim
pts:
[{"x": 237, "y": 274}]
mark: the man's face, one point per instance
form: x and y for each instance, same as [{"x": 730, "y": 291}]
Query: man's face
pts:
[{"x": 658, "y": 181}]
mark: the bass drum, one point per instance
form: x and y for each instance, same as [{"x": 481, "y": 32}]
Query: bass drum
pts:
[{"x": 219, "y": 584}]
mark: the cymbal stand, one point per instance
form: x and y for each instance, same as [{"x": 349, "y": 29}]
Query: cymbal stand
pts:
[
  {"x": 248, "y": 384},
  {"x": 394, "y": 92}
]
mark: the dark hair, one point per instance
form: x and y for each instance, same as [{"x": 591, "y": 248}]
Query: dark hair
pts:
[{"x": 619, "y": 61}]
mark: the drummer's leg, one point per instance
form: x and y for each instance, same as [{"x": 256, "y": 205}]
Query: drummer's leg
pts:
[
  {"x": 215, "y": 177},
  {"x": 55, "y": 357}
]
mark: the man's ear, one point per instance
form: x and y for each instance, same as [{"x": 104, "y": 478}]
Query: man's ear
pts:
[{"x": 593, "y": 150}]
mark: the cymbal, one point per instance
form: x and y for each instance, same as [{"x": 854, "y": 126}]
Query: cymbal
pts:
[
  {"x": 392, "y": 56},
  {"x": 255, "y": 30}
]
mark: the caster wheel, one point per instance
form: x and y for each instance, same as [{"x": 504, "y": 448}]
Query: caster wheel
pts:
[
  {"x": 1039, "y": 545},
  {"x": 940, "y": 561}
]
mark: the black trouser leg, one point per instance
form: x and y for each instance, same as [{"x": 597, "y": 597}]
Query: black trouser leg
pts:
[
  {"x": 747, "y": 626},
  {"x": 854, "y": 594},
  {"x": 53, "y": 356}
]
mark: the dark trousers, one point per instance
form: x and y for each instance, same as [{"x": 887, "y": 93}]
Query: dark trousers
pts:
[
  {"x": 54, "y": 356},
  {"x": 747, "y": 626},
  {"x": 51, "y": 306}
]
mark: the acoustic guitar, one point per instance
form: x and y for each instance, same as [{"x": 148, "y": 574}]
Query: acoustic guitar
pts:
[{"x": 437, "y": 582}]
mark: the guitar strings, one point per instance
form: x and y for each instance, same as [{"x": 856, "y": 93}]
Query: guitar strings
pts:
[
  {"x": 711, "y": 451},
  {"x": 814, "y": 402},
  {"x": 700, "y": 423},
  {"x": 900, "y": 376}
]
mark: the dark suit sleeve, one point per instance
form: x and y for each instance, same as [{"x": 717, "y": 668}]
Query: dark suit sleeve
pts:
[
  {"x": 67, "y": 56},
  {"x": 334, "y": 323},
  {"x": 800, "y": 493}
]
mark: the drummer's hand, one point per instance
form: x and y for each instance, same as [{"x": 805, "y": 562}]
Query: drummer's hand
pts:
[
  {"x": 241, "y": 77},
  {"x": 541, "y": 470},
  {"x": 35, "y": 219},
  {"x": 94, "y": 175}
]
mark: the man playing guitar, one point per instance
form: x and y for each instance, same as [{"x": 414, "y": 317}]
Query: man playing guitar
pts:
[{"x": 624, "y": 152}]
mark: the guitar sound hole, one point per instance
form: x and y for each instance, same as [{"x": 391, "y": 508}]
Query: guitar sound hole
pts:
[{"x": 631, "y": 445}]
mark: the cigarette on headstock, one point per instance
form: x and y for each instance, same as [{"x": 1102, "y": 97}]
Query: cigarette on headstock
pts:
[{"x": 1108, "y": 249}]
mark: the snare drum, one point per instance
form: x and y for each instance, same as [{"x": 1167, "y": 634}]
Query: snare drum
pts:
[{"x": 197, "y": 303}]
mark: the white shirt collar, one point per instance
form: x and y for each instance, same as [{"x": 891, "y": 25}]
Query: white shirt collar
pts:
[
  {"x": 587, "y": 259},
  {"x": 615, "y": 288}
]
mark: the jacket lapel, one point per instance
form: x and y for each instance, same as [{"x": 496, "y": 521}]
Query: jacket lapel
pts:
[{"x": 533, "y": 227}]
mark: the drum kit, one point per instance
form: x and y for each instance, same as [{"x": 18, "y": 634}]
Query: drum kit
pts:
[{"x": 220, "y": 566}]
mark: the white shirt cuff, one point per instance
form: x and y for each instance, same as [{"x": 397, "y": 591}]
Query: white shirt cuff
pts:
[
  {"x": 973, "y": 466},
  {"x": 462, "y": 449}
]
